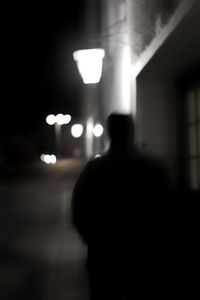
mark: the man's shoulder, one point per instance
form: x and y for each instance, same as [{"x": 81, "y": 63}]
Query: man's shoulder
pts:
[{"x": 95, "y": 162}]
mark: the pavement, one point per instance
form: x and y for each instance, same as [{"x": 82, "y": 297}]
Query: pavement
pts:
[{"x": 41, "y": 255}]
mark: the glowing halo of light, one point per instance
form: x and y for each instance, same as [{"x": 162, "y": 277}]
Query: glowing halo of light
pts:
[
  {"x": 42, "y": 156},
  {"x": 77, "y": 130},
  {"x": 47, "y": 159},
  {"x": 60, "y": 119},
  {"x": 66, "y": 119},
  {"x": 98, "y": 130},
  {"x": 51, "y": 119},
  {"x": 53, "y": 159}
]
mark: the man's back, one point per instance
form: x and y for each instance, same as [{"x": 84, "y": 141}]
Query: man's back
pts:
[
  {"x": 114, "y": 188},
  {"x": 115, "y": 202},
  {"x": 116, "y": 215}
]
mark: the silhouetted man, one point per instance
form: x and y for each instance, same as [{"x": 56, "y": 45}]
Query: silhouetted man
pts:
[{"x": 114, "y": 212}]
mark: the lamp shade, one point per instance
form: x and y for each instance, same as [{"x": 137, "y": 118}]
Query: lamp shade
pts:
[{"x": 89, "y": 63}]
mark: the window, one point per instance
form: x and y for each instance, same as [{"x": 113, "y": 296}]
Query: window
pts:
[{"x": 193, "y": 137}]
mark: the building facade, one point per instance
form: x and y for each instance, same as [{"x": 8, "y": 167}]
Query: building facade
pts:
[{"x": 151, "y": 70}]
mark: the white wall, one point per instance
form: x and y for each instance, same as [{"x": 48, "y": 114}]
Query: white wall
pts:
[{"x": 116, "y": 85}]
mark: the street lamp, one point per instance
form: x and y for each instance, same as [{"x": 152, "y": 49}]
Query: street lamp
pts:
[
  {"x": 89, "y": 63},
  {"x": 57, "y": 121}
]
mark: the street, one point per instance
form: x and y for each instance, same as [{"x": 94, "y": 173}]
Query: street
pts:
[{"x": 41, "y": 255}]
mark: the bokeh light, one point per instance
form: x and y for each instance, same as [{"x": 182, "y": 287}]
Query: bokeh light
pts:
[
  {"x": 98, "y": 130},
  {"x": 51, "y": 119},
  {"x": 48, "y": 158},
  {"x": 66, "y": 119},
  {"x": 77, "y": 130},
  {"x": 60, "y": 119}
]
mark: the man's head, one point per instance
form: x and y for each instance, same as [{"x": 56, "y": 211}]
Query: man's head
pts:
[{"x": 121, "y": 129}]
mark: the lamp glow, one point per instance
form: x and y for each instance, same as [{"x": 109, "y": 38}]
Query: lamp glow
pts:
[
  {"x": 60, "y": 119},
  {"x": 42, "y": 157},
  {"x": 51, "y": 119},
  {"x": 48, "y": 158},
  {"x": 53, "y": 159},
  {"x": 98, "y": 130},
  {"x": 66, "y": 119},
  {"x": 77, "y": 130},
  {"x": 89, "y": 63}
]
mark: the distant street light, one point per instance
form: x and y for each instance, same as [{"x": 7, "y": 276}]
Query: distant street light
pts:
[
  {"x": 98, "y": 130},
  {"x": 89, "y": 63},
  {"x": 48, "y": 158},
  {"x": 66, "y": 119},
  {"x": 62, "y": 119},
  {"x": 51, "y": 119},
  {"x": 77, "y": 130},
  {"x": 58, "y": 121}
]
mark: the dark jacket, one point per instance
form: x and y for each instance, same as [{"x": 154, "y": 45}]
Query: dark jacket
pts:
[
  {"x": 111, "y": 191},
  {"x": 137, "y": 234}
]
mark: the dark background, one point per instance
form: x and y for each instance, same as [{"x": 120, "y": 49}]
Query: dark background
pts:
[{"x": 39, "y": 73}]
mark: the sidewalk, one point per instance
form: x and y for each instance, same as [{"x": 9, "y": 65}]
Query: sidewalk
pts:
[{"x": 41, "y": 256}]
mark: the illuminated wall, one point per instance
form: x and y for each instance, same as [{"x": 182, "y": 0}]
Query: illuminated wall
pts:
[
  {"x": 116, "y": 79},
  {"x": 173, "y": 52},
  {"x": 127, "y": 29},
  {"x": 142, "y": 28},
  {"x": 146, "y": 19}
]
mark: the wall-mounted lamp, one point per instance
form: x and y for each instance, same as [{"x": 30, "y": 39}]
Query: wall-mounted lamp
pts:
[{"x": 89, "y": 63}]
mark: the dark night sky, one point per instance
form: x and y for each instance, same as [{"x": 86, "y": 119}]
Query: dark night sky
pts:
[{"x": 39, "y": 72}]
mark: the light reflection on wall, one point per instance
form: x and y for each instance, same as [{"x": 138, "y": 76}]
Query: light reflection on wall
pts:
[
  {"x": 89, "y": 136},
  {"x": 117, "y": 89},
  {"x": 126, "y": 80}
]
